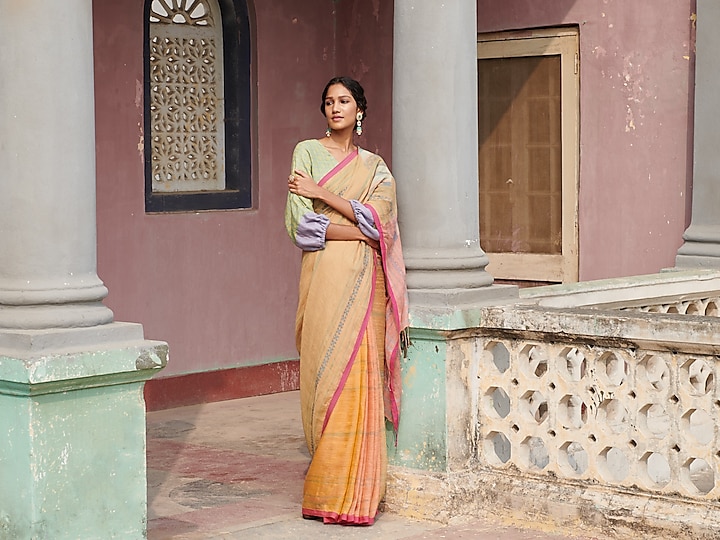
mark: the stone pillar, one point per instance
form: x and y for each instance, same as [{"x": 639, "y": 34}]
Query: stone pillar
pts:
[
  {"x": 72, "y": 415},
  {"x": 47, "y": 194},
  {"x": 435, "y": 153},
  {"x": 435, "y": 161},
  {"x": 702, "y": 238}
]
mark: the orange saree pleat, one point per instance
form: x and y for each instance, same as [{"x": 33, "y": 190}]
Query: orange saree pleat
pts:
[{"x": 346, "y": 478}]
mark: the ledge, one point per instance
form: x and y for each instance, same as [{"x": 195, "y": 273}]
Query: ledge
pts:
[{"x": 59, "y": 360}]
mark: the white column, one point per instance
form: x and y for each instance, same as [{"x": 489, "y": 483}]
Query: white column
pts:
[
  {"x": 48, "y": 268},
  {"x": 435, "y": 152},
  {"x": 702, "y": 238}
]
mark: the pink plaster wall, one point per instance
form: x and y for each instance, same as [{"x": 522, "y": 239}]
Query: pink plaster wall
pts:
[
  {"x": 365, "y": 52},
  {"x": 636, "y": 84},
  {"x": 221, "y": 287}
]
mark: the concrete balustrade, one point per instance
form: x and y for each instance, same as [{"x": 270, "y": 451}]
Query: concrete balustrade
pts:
[{"x": 570, "y": 409}]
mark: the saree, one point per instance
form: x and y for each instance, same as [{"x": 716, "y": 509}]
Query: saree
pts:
[{"x": 352, "y": 310}]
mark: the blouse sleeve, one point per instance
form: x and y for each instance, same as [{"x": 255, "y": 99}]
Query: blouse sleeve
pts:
[
  {"x": 365, "y": 219},
  {"x": 305, "y": 227},
  {"x": 310, "y": 233}
]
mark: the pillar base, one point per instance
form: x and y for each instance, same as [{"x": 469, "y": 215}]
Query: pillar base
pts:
[
  {"x": 39, "y": 317},
  {"x": 73, "y": 418},
  {"x": 701, "y": 248},
  {"x": 452, "y": 279},
  {"x": 446, "y": 300}
]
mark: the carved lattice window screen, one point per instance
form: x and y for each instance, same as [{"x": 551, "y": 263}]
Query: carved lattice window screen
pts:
[{"x": 186, "y": 96}]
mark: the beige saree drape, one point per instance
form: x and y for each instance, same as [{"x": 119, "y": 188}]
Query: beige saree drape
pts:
[{"x": 351, "y": 312}]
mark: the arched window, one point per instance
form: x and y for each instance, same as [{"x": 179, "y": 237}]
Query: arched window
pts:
[{"x": 197, "y": 106}]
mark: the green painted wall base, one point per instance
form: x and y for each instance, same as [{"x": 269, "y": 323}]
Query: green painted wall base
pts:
[
  {"x": 421, "y": 438},
  {"x": 436, "y": 423},
  {"x": 72, "y": 422}
]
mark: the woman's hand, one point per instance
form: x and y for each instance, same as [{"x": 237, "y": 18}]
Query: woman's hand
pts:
[
  {"x": 302, "y": 184},
  {"x": 372, "y": 243}
]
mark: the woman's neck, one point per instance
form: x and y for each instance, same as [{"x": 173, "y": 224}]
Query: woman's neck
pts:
[{"x": 340, "y": 141}]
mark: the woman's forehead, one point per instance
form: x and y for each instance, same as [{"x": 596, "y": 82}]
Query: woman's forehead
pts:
[{"x": 338, "y": 90}]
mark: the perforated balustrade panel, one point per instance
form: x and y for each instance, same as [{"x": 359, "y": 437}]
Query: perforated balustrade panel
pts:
[
  {"x": 705, "y": 306},
  {"x": 622, "y": 417}
]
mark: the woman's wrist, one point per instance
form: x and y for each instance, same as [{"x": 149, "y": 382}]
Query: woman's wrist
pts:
[
  {"x": 344, "y": 232},
  {"x": 326, "y": 197}
]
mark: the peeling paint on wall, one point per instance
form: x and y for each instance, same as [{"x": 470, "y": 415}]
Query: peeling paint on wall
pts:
[
  {"x": 633, "y": 87},
  {"x": 138, "y": 95},
  {"x": 636, "y": 101},
  {"x": 629, "y": 120}
]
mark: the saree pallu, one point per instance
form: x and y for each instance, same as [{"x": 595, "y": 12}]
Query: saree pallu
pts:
[{"x": 352, "y": 307}]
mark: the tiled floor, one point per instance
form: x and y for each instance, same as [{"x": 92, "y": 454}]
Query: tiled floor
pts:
[{"x": 234, "y": 469}]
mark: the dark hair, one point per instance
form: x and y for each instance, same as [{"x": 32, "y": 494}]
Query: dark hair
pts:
[{"x": 356, "y": 90}]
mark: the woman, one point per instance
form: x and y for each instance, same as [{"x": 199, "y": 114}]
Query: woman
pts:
[{"x": 341, "y": 211}]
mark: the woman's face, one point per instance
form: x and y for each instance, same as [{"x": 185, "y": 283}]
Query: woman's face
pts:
[{"x": 340, "y": 108}]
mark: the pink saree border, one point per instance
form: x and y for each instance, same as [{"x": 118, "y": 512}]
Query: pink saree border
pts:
[
  {"x": 341, "y": 519},
  {"x": 337, "y": 168},
  {"x": 396, "y": 315}
]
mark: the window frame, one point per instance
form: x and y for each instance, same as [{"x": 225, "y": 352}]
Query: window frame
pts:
[
  {"x": 563, "y": 267},
  {"x": 238, "y": 157}
]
